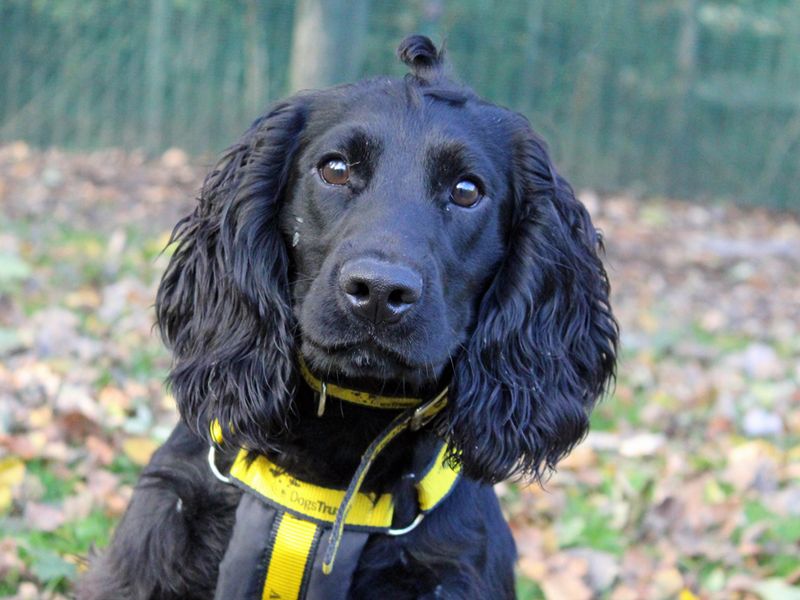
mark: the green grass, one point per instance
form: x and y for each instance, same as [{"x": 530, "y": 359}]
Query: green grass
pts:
[
  {"x": 55, "y": 488},
  {"x": 528, "y": 590},
  {"x": 53, "y": 557},
  {"x": 584, "y": 524},
  {"x": 125, "y": 468}
]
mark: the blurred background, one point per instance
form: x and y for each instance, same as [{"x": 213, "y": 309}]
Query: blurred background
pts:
[
  {"x": 683, "y": 97},
  {"x": 678, "y": 121}
]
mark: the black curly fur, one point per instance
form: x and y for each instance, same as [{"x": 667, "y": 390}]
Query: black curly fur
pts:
[
  {"x": 223, "y": 301},
  {"x": 545, "y": 345}
]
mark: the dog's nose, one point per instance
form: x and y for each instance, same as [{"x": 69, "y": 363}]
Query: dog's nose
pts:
[{"x": 379, "y": 291}]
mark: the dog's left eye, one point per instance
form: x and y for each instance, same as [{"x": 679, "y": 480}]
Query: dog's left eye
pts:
[
  {"x": 466, "y": 193},
  {"x": 335, "y": 171}
]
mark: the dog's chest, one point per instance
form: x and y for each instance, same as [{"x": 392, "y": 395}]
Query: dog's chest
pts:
[{"x": 288, "y": 532}]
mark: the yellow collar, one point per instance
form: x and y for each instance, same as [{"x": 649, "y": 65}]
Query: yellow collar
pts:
[
  {"x": 320, "y": 504},
  {"x": 325, "y": 389}
]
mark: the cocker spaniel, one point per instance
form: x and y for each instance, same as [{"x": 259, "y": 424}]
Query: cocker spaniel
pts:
[{"x": 386, "y": 296}]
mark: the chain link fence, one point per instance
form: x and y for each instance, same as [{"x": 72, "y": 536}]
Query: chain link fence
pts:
[{"x": 690, "y": 98}]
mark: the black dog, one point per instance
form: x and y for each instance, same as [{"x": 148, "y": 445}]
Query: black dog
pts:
[{"x": 400, "y": 236}]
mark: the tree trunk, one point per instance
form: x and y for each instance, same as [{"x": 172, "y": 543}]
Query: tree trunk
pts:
[
  {"x": 327, "y": 46},
  {"x": 679, "y": 180},
  {"x": 156, "y": 72}
]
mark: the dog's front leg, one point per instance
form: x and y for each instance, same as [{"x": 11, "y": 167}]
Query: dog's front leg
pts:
[{"x": 174, "y": 532}]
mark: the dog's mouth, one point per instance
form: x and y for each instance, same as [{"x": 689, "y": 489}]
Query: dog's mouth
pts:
[{"x": 369, "y": 359}]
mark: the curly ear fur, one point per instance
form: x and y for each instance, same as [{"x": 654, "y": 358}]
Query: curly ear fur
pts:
[
  {"x": 223, "y": 304},
  {"x": 544, "y": 348}
]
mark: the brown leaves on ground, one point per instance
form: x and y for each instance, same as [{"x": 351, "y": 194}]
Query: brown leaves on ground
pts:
[{"x": 688, "y": 486}]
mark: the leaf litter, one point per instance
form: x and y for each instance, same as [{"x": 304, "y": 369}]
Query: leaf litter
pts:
[{"x": 688, "y": 485}]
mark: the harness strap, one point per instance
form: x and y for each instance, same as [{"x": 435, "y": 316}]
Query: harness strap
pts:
[
  {"x": 274, "y": 554},
  {"x": 293, "y": 515},
  {"x": 410, "y": 419},
  {"x": 291, "y": 558}
]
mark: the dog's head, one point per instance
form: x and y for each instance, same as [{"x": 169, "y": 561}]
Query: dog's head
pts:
[{"x": 402, "y": 233}]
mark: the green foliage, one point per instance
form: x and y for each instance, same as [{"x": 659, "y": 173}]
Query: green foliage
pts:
[
  {"x": 127, "y": 470},
  {"x": 778, "y": 528},
  {"x": 54, "y": 487},
  {"x": 49, "y": 567},
  {"x": 52, "y": 556},
  {"x": 584, "y": 524},
  {"x": 13, "y": 270},
  {"x": 528, "y": 590}
]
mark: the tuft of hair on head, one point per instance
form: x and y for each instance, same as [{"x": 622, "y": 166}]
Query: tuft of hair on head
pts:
[{"x": 421, "y": 55}]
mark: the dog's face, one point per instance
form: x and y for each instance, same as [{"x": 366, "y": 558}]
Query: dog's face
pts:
[
  {"x": 393, "y": 232},
  {"x": 397, "y": 218}
]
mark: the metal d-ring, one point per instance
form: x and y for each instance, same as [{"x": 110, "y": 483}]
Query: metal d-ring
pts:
[
  {"x": 212, "y": 463},
  {"x": 411, "y": 527}
]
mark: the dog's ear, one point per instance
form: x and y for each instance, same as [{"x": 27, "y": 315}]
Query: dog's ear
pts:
[
  {"x": 223, "y": 303},
  {"x": 544, "y": 348}
]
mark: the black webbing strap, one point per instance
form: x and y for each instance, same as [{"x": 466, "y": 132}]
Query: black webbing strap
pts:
[{"x": 245, "y": 569}]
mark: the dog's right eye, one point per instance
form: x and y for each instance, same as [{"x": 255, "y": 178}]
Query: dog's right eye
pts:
[
  {"x": 335, "y": 171},
  {"x": 466, "y": 193}
]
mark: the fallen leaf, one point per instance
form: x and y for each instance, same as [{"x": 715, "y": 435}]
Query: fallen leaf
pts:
[
  {"x": 78, "y": 506},
  {"x": 624, "y": 592},
  {"x": 174, "y": 158},
  {"x": 78, "y": 399},
  {"x": 582, "y": 457},
  {"x": 667, "y": 582},
  {"x": 139, "y": 449},
  {"x": 10, "y": 561},
  {"x": 98, "y": 448},
  {"x": 761, "y": 361},
  {"x": 776, "y": 589},
  {"x": 603, "y": 567},
  {"x": 641, "y": 444},
  {"x": 40, "y": 417},
  {"x": 27, "y": 591},
  {"x": 12, "y": 473},
  {"x": 12, "y": 268},
  {"x": 758, "y": 422},
  {"x": 43, "y": 517},
  {"x": 753, "y": 464},
  {"x": 565, "y": 579}
]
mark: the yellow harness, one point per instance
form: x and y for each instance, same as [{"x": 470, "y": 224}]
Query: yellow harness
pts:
[{"x": 293, "y": 515}]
